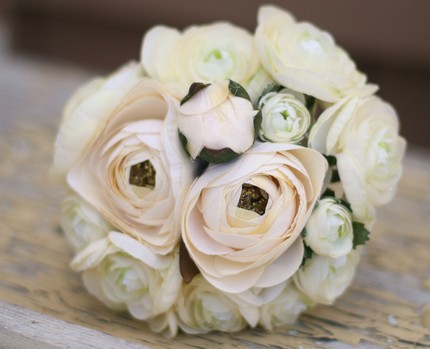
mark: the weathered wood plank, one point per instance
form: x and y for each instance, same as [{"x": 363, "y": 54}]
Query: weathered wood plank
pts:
[
  {"x": 382, "y": 308},
  {"x": 21, "y": 328}
]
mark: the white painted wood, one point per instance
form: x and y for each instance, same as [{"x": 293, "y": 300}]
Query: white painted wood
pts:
[{"x": 21, "y": 328}]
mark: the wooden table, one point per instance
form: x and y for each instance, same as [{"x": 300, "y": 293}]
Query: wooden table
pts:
[{"x": 43, "y": 303}]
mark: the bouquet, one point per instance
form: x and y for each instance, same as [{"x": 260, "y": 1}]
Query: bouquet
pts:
[{"x": 227, "y": 179}]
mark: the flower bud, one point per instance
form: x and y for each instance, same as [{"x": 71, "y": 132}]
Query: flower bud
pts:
[
  {"x": 285, "y": 118},
  {"x": 216, "y": 122},
  {"x": 329, "y": 230}
]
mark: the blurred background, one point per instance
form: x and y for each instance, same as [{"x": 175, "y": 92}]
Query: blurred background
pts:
[{"x": 389, "y": 39}]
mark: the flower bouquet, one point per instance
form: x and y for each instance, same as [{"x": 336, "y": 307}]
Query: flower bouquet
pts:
[{"x": 226, "y": 179}]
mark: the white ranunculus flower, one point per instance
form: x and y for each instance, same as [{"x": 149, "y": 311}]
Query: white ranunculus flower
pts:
[
  {"x": 165, "y": 323},
  {"x": 207, "y": 53},
  {"x": 329, "y": 229},
  {"x": 363, "y": 134},
  {"x": 137, "y": 174},
  {"x": 285, "y": 308},
  {"x": 304, "y": 58},
  {"x": 241, "y": 221},
  {"x": 202, "y": 308},
  {"x": 86, "y": 115},
  {"x": 285, "y": 119},
  {"x": 323, "y": 279},
  {"x": 82, "y": 224},
  {"x": 215, "y": 121},
  {"x": 126, "y": 275}
]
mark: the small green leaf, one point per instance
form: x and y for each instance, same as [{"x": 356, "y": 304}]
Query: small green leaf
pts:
[
  {"x": 194, "y": 88},
  {"x": 272, "y": 87},
  {"x": 345, "y": 203},
  {"x": 217, "y": 156},
  {"x": 304, "y": 232},
  {"x": 331, "y": 160},
  {"x": 238, "y": 91},
  {"x": 329, "y": 193},
  {"x": 200, "y": 167},
  {"x": 258, "y": 119},
  {"x": 307, "y": 254},
  {"x": 361, "y": 234},
  {"x": 335, "y": 178},
  {"x": 310, "y": 102},
  {"x": 183, "y": 141}
]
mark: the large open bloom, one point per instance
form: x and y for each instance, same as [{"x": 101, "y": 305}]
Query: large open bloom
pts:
[
  {"x": 202, "y": 308},
  {"x": 137, "y": 174},
  {"x": 323, "y": 279},
  {"x": 363, "y": 134},
  {"x": 241, "y": 221},
  {"x": 304, "y": 58},
  {"x": 86, "y": 115},
  {"x": 207, "y": 53},
  {"x": 126, "y": 275}
]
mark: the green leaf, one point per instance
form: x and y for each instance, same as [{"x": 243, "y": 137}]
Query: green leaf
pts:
[
  {"x": 194, "y": 88},
  {"x": 200, "y": 167},
  {"x": 331, "y": 160},
  {"x": 307, "y": 254},
  {"x": 238, "y": 91},
  {"x": 361, "y": 234},
  {"x": 258, "y": 119},
  {"x": 346, "y": 204},
  {"x": 335, "y": 178},
  {"x": 272, "y": 87},
  {"x": 329, "y": 193},
  {"x": 183, "y": 141},
  {"x": 217, "y": 156},
  {"x": 310, "y": 102}
]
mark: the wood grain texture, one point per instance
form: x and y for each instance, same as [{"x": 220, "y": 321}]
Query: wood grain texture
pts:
[{"x": 382, "y": 308}]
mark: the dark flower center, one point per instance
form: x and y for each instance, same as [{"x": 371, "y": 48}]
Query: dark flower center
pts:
[
  {"x": 143, "y": 175},
  {"x": 253, "y": 198}
]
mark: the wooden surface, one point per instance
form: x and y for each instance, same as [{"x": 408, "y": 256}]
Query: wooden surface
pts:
[{"x": 384, "y": 308}]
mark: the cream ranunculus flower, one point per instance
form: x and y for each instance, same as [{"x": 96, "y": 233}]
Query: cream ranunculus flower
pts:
[
  {"x": 202, "y": 308},
  {"x": 86, "y": 114},
  {"x": 242, "y": 221},
  {"x": 165, "y": 323},
  {"x": 285, "y": 119},
  {"x": 207, "y": 53},
  {"x": 217, "y": 125},
  {"x": 363, "y": 134},
  {"x": 126, "y": 275},
  {"x": 329, "y": 229},
  {"x": 137, "y": 173},
  {"x": 304, "y": 58},
  {"x": 285, "y": 308},
  {"x": 323, "y": 279},
  {"x": 82, "y": 224}
]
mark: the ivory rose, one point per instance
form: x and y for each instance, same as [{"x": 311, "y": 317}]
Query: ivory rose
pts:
[
  {"x": 285, "y": 308},
  {"x": 86, "y": 114},
  {"x": 323, "y": 279},
  {"x": 214, "y": 121},
  {"x": 363, "y": 134},
  {"x": 329, "y": 230},
  {"x": 241, "y": 221},
  {"x": 137, "y": 174},
  {"x": 82, "y": 224},
  {"x": 208, "y": 53},
  {"x": 202, "y": 308},
  {"x": 126, "y": 275},
  {"x": 300, "y": 56},
  {"x": 285, "y": 118}
]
